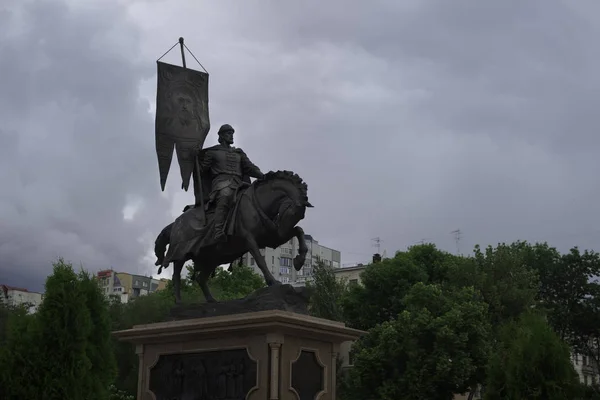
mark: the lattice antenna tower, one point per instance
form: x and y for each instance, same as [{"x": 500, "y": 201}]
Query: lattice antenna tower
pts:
[
  {"x": 457, "y": 235},
  {"x": 377, "y": 243}
]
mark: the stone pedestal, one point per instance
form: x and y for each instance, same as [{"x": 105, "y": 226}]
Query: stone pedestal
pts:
[{"x": 274, "y": 355}]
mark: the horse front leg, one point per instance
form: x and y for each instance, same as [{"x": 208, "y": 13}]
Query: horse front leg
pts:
[
  {"x": 160, "y": 245},
  {"x": 177, "y": 267},
  {"x": 300, "y": 259}
]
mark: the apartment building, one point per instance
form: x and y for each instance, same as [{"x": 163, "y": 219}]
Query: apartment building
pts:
[
  {"x": 14, "y": 296},
  {"x": 588, "y": 371},
  {"x": 280, "y": 261},
  {"x": 128, "y": 286}
]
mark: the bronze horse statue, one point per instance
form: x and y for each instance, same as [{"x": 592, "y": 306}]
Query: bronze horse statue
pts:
[{"x": 265, "y": 215}]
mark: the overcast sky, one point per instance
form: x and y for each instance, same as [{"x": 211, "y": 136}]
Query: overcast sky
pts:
[{"x": 408, "y": 119}]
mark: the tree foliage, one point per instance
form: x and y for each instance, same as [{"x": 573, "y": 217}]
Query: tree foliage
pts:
[
  {"x": 531, "y": 362},
  {"x": 509, "y": 285},
  {"x": 512, "y": 279},
  {"x": 53, "y": 353},
  {"x": 570, "y": 293},
  {"x": 327, "y": 293},
  {"x": 432, "y": 350},
  {"x": 235, "y": 284},
  {"x": 379, "y": 298},
  {"x": 100, "y": 352}
]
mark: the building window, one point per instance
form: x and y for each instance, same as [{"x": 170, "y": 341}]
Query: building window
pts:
[
  {"x": 272, "y": 260},
  {"x": 285, "y": 262},
  {"x": 285, "y": 279},
  {"x": 144, "y": 284},
  {"x": 284, "y": 270},
  {"x": 251, "y": 260}
]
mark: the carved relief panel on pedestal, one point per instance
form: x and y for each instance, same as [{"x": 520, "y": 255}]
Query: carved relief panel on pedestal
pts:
[{"x": 210, "y": 375}]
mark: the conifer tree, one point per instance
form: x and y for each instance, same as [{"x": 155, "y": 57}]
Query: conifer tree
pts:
[
  {"x": 63, "y": 328},
  {"x": 100, "y": 350}
]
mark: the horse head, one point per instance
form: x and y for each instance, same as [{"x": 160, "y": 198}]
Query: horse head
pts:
[{"x": 283, "y": 196}]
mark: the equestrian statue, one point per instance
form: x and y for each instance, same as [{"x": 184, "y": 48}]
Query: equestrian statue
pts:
[
  {"x": 231, "y": 215},
  {"x": 238, "y": 216}
]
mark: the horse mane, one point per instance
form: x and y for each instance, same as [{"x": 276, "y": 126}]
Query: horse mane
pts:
[{"x": 289, "y": 176}]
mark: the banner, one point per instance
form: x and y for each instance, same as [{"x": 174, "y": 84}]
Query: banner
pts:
[{"x": 182, "y": 120}]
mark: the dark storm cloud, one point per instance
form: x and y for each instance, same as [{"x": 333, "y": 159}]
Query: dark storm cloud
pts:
[
  {"x": 73, "y": 140},
  {"x": 422, "y": 116},
  {"x": 408, "y": 119}
]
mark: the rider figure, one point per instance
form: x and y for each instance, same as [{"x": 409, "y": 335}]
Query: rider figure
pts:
[{"x": 227, "y": 168}]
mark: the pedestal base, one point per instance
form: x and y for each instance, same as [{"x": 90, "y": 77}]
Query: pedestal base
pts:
[{"x": 275, "y": 355}]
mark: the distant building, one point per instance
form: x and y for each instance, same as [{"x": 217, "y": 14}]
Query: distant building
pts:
[
  {"x": 128, "y": 286},
  {"x": 280, "y": 261},
  {"x": 14, "y": 296},
  {"x": 350, "y": 274},
  {"x": 586, "y": 368}
]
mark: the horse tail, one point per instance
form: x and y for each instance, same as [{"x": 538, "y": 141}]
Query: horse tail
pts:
[{"x": 160, "y": 245}]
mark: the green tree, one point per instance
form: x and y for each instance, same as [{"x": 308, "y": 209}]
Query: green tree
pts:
[
  {"x": 235, "y": 284},
  {"x": 531, "y": 362},
  {"x": 570, "y": 296},
  {"x": 18, "y": 372},
  {"x": 48, "y": 352},
  {"x": 432, "y": 350},
  {"x": 5, "y": 313},
  {"x": 384, "y": 284},
  {"x": 379, "y": 298},
  {"x": 436, "y": 263},
  {"x": 509, "y": 285},
  {"x": 100, "y": 349},
  {"x": 326, "y": 293},
  {"x": 64, "y": 350}
]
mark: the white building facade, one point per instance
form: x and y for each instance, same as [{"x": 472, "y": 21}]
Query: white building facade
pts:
[
  {"x": 588, "y": 372},
  {"x": 280, "y": 261},
  {"x": 13, "y": 296}
]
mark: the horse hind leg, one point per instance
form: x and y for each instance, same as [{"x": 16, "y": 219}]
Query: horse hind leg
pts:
[
  {"x": 260, "y": 260},
  {"x": 202, "y": 279}
]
